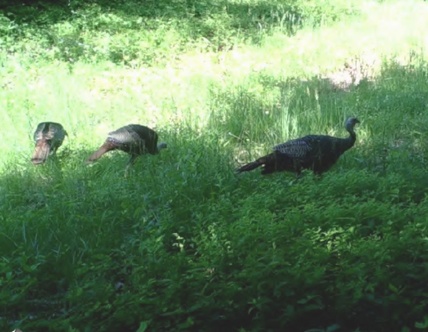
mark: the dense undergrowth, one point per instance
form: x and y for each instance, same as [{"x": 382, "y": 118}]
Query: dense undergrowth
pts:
[
  {"x": 183, "y": 243},
  {"x": 153, "y": 33}
]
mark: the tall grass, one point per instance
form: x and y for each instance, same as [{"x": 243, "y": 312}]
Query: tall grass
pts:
[{"x": 182, "y": 242}]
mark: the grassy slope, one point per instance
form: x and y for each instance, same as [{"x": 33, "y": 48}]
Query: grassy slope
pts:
[{"x": 193, "y": 245}]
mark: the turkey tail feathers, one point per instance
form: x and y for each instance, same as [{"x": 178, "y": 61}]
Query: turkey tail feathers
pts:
[
  {"x": 249, "y": 167},
  {"x": 41, "y": 152}
]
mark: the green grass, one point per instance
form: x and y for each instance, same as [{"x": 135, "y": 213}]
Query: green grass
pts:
[{"x": 182, "y": 242}]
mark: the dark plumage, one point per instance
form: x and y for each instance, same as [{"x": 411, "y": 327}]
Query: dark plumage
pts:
[
  {"x": 315, "y": 152},
  {"x": 133, "y": 139},
  {"x": 48, "y": 137}
]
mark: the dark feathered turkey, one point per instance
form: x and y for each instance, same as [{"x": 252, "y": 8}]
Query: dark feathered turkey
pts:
[
  {"x": 133, "y": 139},
  {"x": 315, "y": 152},
  {"x": 48, "y": 137}
]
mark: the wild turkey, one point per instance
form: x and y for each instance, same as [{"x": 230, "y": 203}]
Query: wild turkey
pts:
[
  {"x": 133, "y": 139},
  {"x": 48, "y": 137},
  {"x": 315, "y": 152}
]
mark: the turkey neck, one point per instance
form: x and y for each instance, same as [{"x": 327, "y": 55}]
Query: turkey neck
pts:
[{"x": 347, "y": 143}]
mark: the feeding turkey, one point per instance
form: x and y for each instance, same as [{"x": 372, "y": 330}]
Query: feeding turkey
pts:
[
  {"x": 314, "y": 152},
  {"x": 133, "y": 139},
  {"x": 48, "y": 137}
]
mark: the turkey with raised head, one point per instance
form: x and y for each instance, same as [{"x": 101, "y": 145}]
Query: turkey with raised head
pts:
[
  {"x": 133, "y": 139},
  {"x": 315, "y": 152},
  {"x": 48, "y": 137}
]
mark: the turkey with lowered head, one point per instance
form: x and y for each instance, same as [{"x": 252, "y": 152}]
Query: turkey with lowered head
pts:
[
  {"x": 133, "y": 139},
  {"x": 48, "y": 137},
  {"x": 315, "y": 152}
]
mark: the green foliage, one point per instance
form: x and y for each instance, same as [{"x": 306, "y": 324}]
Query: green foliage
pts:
[
  {"x": 133, "y": 34},
  {"x": 182, "y": 243}
]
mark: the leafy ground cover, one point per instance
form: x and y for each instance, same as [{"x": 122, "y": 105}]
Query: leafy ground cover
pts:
[{"x": 182, "y": 242}]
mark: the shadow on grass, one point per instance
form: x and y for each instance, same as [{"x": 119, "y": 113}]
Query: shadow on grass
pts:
[{"x": 251, "y": 16}]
